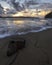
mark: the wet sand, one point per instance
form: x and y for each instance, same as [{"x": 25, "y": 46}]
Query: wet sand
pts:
[{"x": 37, "y": 51}]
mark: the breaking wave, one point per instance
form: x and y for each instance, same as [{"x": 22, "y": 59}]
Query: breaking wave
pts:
[{"x": 10, "y": 27}]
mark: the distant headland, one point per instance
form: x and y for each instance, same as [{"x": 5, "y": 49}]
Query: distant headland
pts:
[{"x": 49, "y": 15}]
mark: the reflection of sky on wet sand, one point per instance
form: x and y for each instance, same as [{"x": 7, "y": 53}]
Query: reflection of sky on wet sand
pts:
[{"x": 12, "y": 27}]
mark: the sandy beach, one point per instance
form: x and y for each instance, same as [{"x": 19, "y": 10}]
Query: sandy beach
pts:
[{"x": 37, "y": 51}]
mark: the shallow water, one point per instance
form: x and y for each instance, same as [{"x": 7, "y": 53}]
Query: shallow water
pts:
[{"x": 9, "y": 26}]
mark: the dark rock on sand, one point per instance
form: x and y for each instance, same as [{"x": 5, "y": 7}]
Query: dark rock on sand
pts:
[
  {"x": 14, "y": 46},
  {"x": 49, "y": 15}
]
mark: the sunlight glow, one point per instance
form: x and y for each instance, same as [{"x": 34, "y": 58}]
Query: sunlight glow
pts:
[
  {"x": 18, "y": 14},
  {"x": 33, "y": 13},
  {"x": 43, "y": 13}
]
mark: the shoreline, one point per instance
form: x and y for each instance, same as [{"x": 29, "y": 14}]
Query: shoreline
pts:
[{"x": 24, "y": 33}]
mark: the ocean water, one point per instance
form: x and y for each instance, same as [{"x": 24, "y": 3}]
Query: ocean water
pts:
[{"x": 13, "y": 26}]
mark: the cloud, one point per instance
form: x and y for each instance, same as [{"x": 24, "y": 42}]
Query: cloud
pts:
[
  {"x": 14, "y": 4},
  {"x": 44, "y": 1},
  {"x": 19, "y": 5},
  {"x": 1, "y": 10}
]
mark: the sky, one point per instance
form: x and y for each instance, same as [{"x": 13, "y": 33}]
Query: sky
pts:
[
  {"x": 11, "y": 4},
  {"x": 6, "y": 5},
  {"x": 45, "y": 1}
]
